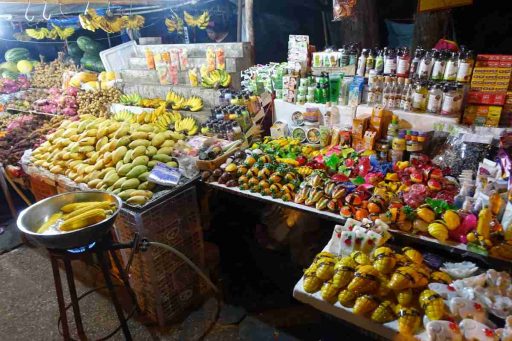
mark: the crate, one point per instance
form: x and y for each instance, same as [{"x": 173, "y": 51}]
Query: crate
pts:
[
  {"x": 165, "y": 286},
  {"x": 42, "y": 187},
  {"x": 212, "y": 165}
]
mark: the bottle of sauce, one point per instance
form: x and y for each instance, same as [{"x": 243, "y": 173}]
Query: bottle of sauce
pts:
[
  {"x": 379, "y": 62},
  {"x": 343, "y": 56},
  {"x": 413, "y": 70},
  {"x": 447, "y": 108},
  {"x": 404, "y": 60},
  {"x": 466, "y": 63},
  {"x": 386, "y": 92},
  {"x": 439, "y": 66},
  {"x": 352, "y": 57},
  {"x": 406, "y": 103},
  {"x": 435, "y": 97},
  {"x": 390, "y": 62},
  {"x": 370, "y": 63},
  {"x": 419, "y": 97},
  {"x": 452, "y": 66},
  {"x": 403, "y": 94},
  {"x": 425, "y": 68},
  {"x": 361, "y": 63},
  {"x": 459, "y": 96},
  {"x": 398, "y": 92}
]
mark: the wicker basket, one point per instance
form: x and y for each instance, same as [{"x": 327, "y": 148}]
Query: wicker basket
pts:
[
  {"x": 165, "y": 286},
  {"x": 42, "y": 187},
  {"x": 215, "y": 163}
]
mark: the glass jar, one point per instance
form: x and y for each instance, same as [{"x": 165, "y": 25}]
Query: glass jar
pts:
[
  {"x": 425, "y": 68},
  {"x": 439, "y": 65},
  {"x": 435, "y": 98},
  {"x": 452, "y": 66},
  {"x": 448, "y": 105},
  {"x": 419, "y": 97},
  {"x": 465, "y": 69}
]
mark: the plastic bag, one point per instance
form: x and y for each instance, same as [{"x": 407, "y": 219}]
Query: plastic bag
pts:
[
  {"x": 342, "y": 8},
  {"x": 463, "y": 151}
]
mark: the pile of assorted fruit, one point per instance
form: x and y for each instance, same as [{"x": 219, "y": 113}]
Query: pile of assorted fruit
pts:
[
  {"x": 50, "y": 75},
  {"x": 72, "y": 217},
  {"x": 413, "y": 197},
  {"x": 97, "y": 103},
  {"x": 108, "y": 155},
  {"x": 9, "y": 86}
]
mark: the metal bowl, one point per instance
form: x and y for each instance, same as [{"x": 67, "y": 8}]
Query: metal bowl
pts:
[{"x": 31, "y": 218}]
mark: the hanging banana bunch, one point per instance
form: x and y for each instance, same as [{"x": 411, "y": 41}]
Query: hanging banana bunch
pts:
[
  {"x": 134, "y": 22},
  {"x": 21, "y": 36},
  {"x": 113, "y": 23},
  {"x": 200, "y": 22},
  {"x": 63, "y": 33},
  {"x": 91, "y": 20},
  {"x": 44, "y": 33},
  {"x": 37, "y": 33},
  {"x": 174, "y": 24}
]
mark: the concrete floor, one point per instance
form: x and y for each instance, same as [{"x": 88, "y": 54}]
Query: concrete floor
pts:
[{"x": 28, "y": 309}]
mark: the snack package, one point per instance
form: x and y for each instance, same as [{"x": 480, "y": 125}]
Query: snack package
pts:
[
  {"x": 220, "y": 60},
  {"x": 210, "y": 59},
  {"x": 175, "y": 58},
  {"x": 183, "y": 56}
]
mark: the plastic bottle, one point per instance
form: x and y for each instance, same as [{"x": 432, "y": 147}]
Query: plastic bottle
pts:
[
  {"x": 370, "y": 63},
  {"x": 361, "y": 63},
  {"x": 413, "y": 70},
  {"x": 447, "y": 108},
  {"x": 466, "y": 63},
  {"x": 435, "y": 97},
  {"x": 419, "y": 97},
  {"x": 406, "y": 100},
  {"x": 343, "y": 56},
  {"x": 439, "y": 62},
  {"x": 394, "y": 93},
  {"x": 398, "y": 92},
  {"x": 452, "y": 66},
  {"x": 425, "y": 68},
  {"x": 390, "y": 62},
  {"x": 404, "y": 60},
  {"x": 393, "y": 128},
  {"x": 459, "y": 96},
  {"x": 352, "y": 57},
  {"x": 386, "y": 92},
  {"x": 379, "y": 62}
]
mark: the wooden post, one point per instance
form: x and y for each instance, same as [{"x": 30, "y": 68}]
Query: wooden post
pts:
[
  {"x": 362, "y": 27},
  {"x": 429, "y": 28},
  {"x": 239, "y": 21},
  {"x": 249, "y": 26}
]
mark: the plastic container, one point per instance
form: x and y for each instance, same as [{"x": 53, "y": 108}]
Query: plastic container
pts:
[{"x": 118, "y": 58}]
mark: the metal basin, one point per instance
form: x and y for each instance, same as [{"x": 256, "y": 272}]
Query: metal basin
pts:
[{"x": 31, "y": 218}]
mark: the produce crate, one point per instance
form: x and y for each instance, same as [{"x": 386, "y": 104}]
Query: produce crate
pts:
[
  {"x": 211, "y": 165},
  {"x": 42, "y": 187},
  {"x": 165, "y": 286}
]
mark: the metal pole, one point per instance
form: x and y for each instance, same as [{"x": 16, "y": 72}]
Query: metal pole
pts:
[{"x": 239, "y": 21}]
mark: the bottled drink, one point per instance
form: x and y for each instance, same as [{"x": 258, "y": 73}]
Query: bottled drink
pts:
[
  {"x": 344, "y": 58},
  {"x": 398, "y": 92},
  {"x": 370, "y": 63},
  {"x": 390, "y": 62},
  {"x": 361, "y": 63},
  {"x": 386, "y": 92},
  {"x": 379, "y": 62},
  {"x": 459, "y": 96},
  {"x": 447, "y": 107},
  {"x": 413, "y": 70},
  {"x": 404, "y": 60},
  {"x": 452, "y": 66},
  {"x": 406, "y": 96},
  {"x": 439, "y": 66},
  {"x": 465, "y": 66},
  {"x": 419, "y": 98},
  {"x": 435, "y": 97},
  {"x": 425, "y": 68},
  {"x": 352, "y": 56}
]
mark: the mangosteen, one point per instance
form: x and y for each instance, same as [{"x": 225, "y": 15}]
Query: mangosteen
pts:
[
  {"x": 231, "y": 183},
  {"x": 224, "y": 178},
  {"x": 205, "y": 175},
  {"x": 217, "y": 173}
]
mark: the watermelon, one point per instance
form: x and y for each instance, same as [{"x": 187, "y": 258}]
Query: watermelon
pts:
[
  {"x": 11, "y": 66},
  {"x": 9, "y": 74},
  {"x": 74, "y": 51},
  {"x": 16, "y": 54},
  {"x": 88, "y": 45},
  {"x": 92, "y": 62}
]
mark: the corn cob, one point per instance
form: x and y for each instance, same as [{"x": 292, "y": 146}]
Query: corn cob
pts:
[
  {"x": 383, "y": 289},
  {"x": 360, "y": 258},
  {"x": 325, "y": 268},
  {"x": 384, "y": 260},
  {"x": 84, "y": 209},
  {"x": 440, "y": 277},
  {"x": 413, "y": 255},
  {"x": 344, "y": 272},
  {"x": 365, "y": 304},
  {"x": 311, "y": 283},
  {"x": 347, "y": 298},
  {"x": 365, "y": 280},
  {"x": 405, "y": 297},
  {"x": 408, "y": 320},
  {"x": 322, "y": 254},
  {"x": 77, "y": 205},
  {"x": 422, "y": 276},
  {"x": 402, "y": 278},
  {"x": 49, "y": 222},
  {"x": 329, "y": 292},
  {"x": 432, "y": 303},
  {"x": 85, "y": 219},
  {"x": 384, "y": 312}
]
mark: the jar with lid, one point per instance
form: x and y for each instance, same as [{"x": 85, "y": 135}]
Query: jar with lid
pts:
[
  {"x": 404, "y": 59},
  {"x": 361, "y": 63},
  {"x": 399, "y": 141},
  {"x": 452, "y": 66},
  {"x": 370, "y": 63},
  {"x": 425, "y": 68},
  {"x": 379, "y": 61},
  {"x": 466, "y": 63},
  {"x": 447, "y": 107},
  {"x": 439, "y": 65},
  {"x": 459, "y": 96},
  {"x": 435, "y": 98},
  {"x": 419, "y": 97},
  {"x": 390, "y": 62},
  {"x": 413, "y": 70}
]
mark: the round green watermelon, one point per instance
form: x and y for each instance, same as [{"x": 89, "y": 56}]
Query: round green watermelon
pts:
[
  {"x": 16, "y": 54},
  {"x": 9, "y": 74},
  {"x": 88, "y": 45}
]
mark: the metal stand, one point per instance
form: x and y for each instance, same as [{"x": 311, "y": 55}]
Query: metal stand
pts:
[{"x": 101, "y": 250}]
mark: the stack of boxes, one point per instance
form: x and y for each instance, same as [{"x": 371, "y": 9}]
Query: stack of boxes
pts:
[{"x": 488, "y": 95}]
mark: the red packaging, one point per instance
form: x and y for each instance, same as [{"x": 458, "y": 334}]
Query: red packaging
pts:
[{"x": 490, "y": 98}]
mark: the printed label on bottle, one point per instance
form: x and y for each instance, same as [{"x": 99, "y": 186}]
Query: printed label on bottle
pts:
[
  {"x": 434, "y": 103},
  {"x": 424, "y": 70},
  {"x": 361, "y": 66},
  {"x": 464, "y": 72},
  {"x": 390, "y": 66},
  {"x": 438, "y": 70},
  {"x": 379, "y": 65},
  {"x": 447, "y": 107},
  {"x": 402, "y": 68},
  {"x": 450, "y": 73},
  {"x": 418, "y": 101},
  {"x": 414, "y": 68}
]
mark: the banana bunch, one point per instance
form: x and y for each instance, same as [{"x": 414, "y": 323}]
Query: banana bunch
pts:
[
  {"x": 37, "y": 33},
  {"x": 63, "y": 33},
  {"x": 215, "y": 79},
  {"x": 134, "y": 22},
  {"x": 21, "y": 36},
  {"x": 200, "y": 21},
  {"x": 175, "y": 23},
  {"x": 91, "y": 20},
  {"x": 150, "y": 102},
  {"x": 123, "y": 116},
  {"x": 113, "y": 23},
  {"x": 193, "y": 104},
  {"x": 167, "y": 119},
  {"x": 109, "y": 23},
  {"x": 130, "y": 99},
  {"x": 186, "y": 126},
  {"x": 176, "y": 101}
]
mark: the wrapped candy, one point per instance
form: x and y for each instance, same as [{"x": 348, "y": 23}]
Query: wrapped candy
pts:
[
  {"x": 347, "y": 298},
  {"x": 440, "y": 277},
  {"x": 325, "y": 268},
  {"x": 344, "y": 272},
  {"x": 432, "y": 303},
  {"x": 405, "y": 297},
  {"x": 414, "y": 255},
  {"x": 403, "y": 278},
  {"x": 384, "y": 312},
  {"x": 365, "y": 280},
  {"x": 384, "y": 260},
  {"x": 443, "y": 330},
  {"x": 311, "y": 283},
  {"x": 474, "y": 330},
  {"x": 416, "y": 195},
  {"x": 365, "y": 304},
  {"x": 462, "y": 308},
  {"x": 360, "y": 258},
  {"x": 408, "y": 320},
  {"x": 329, "y": 292}
]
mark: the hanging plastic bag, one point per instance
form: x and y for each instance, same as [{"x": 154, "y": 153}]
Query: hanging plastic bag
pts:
[{"x": 342, "y": 9}]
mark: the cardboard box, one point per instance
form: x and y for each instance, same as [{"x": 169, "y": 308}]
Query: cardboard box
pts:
[
  {"x": 278, "y": 129},
  {"x": 359, "y": 126},
  {"x": 482, "y": 115},
  {"x": 489, "y": 98}
]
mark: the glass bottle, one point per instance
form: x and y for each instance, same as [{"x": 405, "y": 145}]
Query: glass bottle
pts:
[
  {"x": 343, "y": 56},
  {"x": 439, "y": 66},
  {"x": 413, "y": 70},
  {"x": 406, "y": 100},
  {"x": 371, "y": 98},
  {"x": 419, "y": 97},
  {"x": 390, "y": 62},
  {"x": 447, "y": 107},
  {"x": 379, "y": 62},
  {"x": 452, "y": 66},
  {"x": 352, "y": 57},
  {"x": 425, "y": 68},
  {"x": 398, "y": 93},
  {"x": 404, "y": 60},
  {"x": 386, "y": 92},
  {"x": 361, "y": 63},
  {"x": 466, "y": 63},
  {"x": 370, "y": 63},
  {"x": 435, "y": 97},
  {"x": 459, "y": 96}
]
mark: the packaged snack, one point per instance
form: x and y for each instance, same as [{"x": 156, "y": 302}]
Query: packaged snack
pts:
[
  {"x": 193, "y": 77},
  {"x": 175, "y": 58},
  {"x": 150, "y": 60},
  {"x": 183, "y": 56},
  {"x": 220, "y": 60},
  {"x": 210, "y": 59}
]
